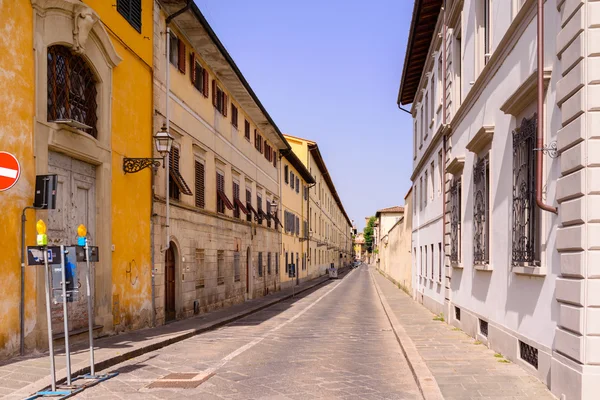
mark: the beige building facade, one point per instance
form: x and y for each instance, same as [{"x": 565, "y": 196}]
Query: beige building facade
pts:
[
  {"x": 330, "y": 228},
  {"x": 295, "y": 181},
  {"x": 216, "y": 243},
  {"x": 515, "y": 135},
  {"x": 395, "y": 258}
]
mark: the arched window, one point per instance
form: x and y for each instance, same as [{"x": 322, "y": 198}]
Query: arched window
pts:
[{"x": 71, "y": 90}]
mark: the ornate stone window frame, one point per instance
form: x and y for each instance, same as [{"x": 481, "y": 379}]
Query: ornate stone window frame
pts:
[{"x": 73, "y": 24}]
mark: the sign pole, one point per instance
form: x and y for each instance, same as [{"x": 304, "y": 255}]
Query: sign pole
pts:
[
  {"x": 89, "y": 307},
  {"x": 65, "y": 312},
  {"x": 49, "y": 318}
]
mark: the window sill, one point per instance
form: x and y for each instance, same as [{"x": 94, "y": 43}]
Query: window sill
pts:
[
  {"x": 457, "y": 265},
  {"x": 483, "y": 267},
  {"x": 530, "y": 271}
]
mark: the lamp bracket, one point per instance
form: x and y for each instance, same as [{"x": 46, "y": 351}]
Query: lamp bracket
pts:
[{"x": 133, "y": 165}]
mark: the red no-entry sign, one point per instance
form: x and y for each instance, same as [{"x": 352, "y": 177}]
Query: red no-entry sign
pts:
[{"x": 10, "y": 170}]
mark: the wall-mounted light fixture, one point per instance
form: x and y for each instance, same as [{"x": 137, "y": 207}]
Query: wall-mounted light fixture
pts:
[{"x": 163, "y": 141}]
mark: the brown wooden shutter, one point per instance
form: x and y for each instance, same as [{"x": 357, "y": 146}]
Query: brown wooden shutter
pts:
[
  {"x": 199, "y": 183},
  {"x": 214, "y": 92},
  {"x": 225, "y": 104},
  {"x": 181, "y": 58},
  {"x": 205, "y": 86},
  {"x": 193, "y": 68},
  {"x": 274, "y": 158}
]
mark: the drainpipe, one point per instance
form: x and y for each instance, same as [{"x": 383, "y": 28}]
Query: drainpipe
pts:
[{"x": 540, "y": 111}]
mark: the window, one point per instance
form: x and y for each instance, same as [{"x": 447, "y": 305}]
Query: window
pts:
[
  {"x": 199, "y": 184},
  {"x": 274, "y": 158},
  {"x": 426, "y": 188},
  {"x": 458, "y": 55},
  {"x": 455, "y": 220},
  {"x": 276, "y": 263},
  {"x": 268, "y": 263},
  {"x": 177, "y": 52},
  {"x": 268, "y": 152},
  {"x": 198, "y": 75},
  {"x": 236, "y": 198},
  {"x": 432, "y": 90},
  {"x": 432, "y": 262},
  {"x": 415, "y": 127},
  {"x": 525, "y": 241},
  {"x": 177, "y": 185},
  {"x": 421, "y": 194},
  {"x": 260, "y": 264},
  {"x": 234, "y": 115},
  {"x": 297, "y": 185},
  {"x": 456, "y": 313},
  {"x": 481, "y": 211},
  {"x": 71, "y": 89},
  {"x": 249, "y": 204},
  {"x": 440, "y": 263},
  {"x": 220, "y": 267},
  {"x": 440, "y": 80},
  {"x": 528, "y": 353},
  {"x": 440, "y": 173},
  {"x": 487, "y": 45},
  {"x": 432, "y": 179},
  {"x": 259, "y": 208},
  {"x": 199, "y": 258},
  {"x": 132, "y": 11},
  {"x": 286, "y": 176},
  {"x": 291, "y": 179},
  {"x": 414, "y": 200},
  {"x": 222, "y": 200},
  {"x": 268, "y": 208},
  {"x": 297, "y": 225},
  {"x": 426, "y": 122},
  {"x": 425, "y": 260},
  {"x": 483, "y": 327},
  {"x": 219, "y": 98},
  {"x": 258, "y": 143},
  {"x": 236, "y": 266},
  {"x": 247, "y": 130},
  {"x": 422, "y": 273},
  {"x": 287, "y": 261}
]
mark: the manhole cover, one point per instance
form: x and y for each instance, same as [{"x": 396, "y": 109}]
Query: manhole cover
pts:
[
  {"x": 180, "y": 380},
  {"x": 181, "y": 375}
]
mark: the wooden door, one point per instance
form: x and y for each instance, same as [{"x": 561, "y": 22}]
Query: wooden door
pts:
[
  {"x": 75, "y": 205},
  {"x": 170, "y": 284}
]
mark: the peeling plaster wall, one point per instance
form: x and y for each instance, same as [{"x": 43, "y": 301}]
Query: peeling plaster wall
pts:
[{"x": 16, "y": 132}]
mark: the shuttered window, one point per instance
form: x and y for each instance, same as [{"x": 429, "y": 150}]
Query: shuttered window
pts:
[
  {"x": 259, "y": 208},
  {"x": 291, "y": 179},
  {"x": 286, "y": 174},
  {"x": 199, "y": 256},
  {"x": 199, "y": 184},
  {"x": 181, "y": 56},
  {"x": 220, "y": 267},
  {"x": 297, "y": 185},
  {"x": 268, "y": 263},
  {"x": 274, "y": 158},
  {"x": 219, "y": 98},
  {"x": 198, "y": 75},
  {"x": 234, "y": 115},
  {"x": 236, "y": 266},
  {"x": 131, "y": 10},
  {"x": 249, "y": 205},
  {"x": 247, "y": 130},
  {"x": 174, "y": 49},
  {"x": 222, "y": 200},
  {"x": 236, "y": 196},
  {"x": 260, "y": 264},
  {"x": 177, "y": 185}
]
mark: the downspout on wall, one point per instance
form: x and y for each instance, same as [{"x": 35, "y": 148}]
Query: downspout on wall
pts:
[{"x": 540, "y": 112}]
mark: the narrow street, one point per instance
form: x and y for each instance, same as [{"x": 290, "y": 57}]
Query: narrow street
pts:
[{"x": 335, "y": 342}]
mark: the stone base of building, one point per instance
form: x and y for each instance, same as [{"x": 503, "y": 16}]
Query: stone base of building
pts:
[
  {"x": 502, "y": 340},
  {"x": 573, "y": 381}
]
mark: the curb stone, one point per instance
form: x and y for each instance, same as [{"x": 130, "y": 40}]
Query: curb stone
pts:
[
  {"x": 423, "y": 376},
  {"x": 83, "y": 367}
]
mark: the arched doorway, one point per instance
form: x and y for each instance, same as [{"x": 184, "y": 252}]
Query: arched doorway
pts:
[
  {"x": 170, "y": 312},
  {"x": 249, "y": 279}
]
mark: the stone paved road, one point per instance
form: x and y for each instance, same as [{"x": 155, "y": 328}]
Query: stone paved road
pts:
[{"x": 333, "y": 343}]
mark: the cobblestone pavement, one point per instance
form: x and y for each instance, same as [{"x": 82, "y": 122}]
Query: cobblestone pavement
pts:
[
  {"x": 333, "y": 343},
  {"x": 463, "y": 369}
]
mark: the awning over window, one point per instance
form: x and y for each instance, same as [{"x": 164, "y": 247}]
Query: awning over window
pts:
[
  {"x": 180, "y": 182},
  {"x": 241, "y": 206},
  {"x": 225, "y": 200},
  {"x": 277, "y": 221},
  {"x": 250, "y": 208}
]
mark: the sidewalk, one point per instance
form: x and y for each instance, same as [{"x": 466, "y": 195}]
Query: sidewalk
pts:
[
  {"x": 23, "y": 376},
  {"x": 463, "y": 369}
]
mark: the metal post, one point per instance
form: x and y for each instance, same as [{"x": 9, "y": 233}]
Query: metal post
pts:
[
  {"x": 89, "y": 306},
  {"x": 49, "y": 318},
  {"x": 65, "y": 312}
]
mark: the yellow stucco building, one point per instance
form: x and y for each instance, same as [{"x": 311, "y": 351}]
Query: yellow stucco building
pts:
[
  {"x": 329, "y": 227},
  {"x": 76, "y": 91},
  {"x": 295, "y": 185}
]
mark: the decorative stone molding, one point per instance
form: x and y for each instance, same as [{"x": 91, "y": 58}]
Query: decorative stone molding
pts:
[
  {"x": 83, "y": 22},
  {"x": 456, "y": 166},
  {"x": 525, "y": 94},
  {"x": 482, "y": 138}
]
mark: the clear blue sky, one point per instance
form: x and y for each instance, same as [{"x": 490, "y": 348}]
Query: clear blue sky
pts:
[{"x": 329, "y": 71}]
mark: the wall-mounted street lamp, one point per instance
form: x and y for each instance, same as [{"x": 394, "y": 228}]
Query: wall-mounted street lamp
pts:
[{"x": 163, "y": 141}]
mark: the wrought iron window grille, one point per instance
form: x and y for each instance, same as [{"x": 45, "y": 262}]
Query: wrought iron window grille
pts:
[
  {"x": 71, "y": 90},
  {"x": 481, "y": 240},
  {"x": 455, "y": 220},
  {"x": 483, "y": 327},
  {"x": 525, "y": 212},
  {"x": 529, "y": 354}
]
